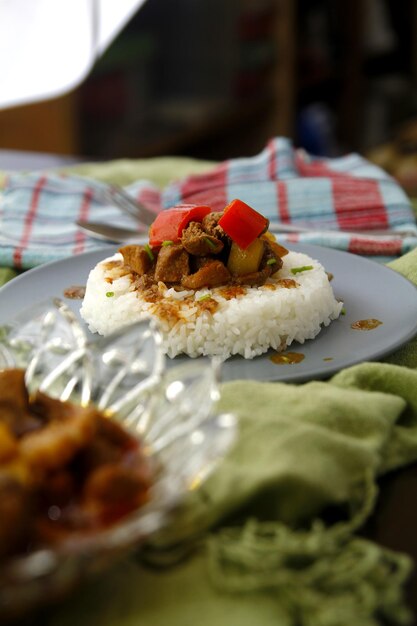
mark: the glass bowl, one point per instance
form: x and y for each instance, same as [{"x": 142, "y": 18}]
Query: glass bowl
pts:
[{"x": 171, "y": 411}]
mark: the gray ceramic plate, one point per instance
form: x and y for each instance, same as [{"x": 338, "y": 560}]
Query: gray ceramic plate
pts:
[{"x": 369, "y": 290}]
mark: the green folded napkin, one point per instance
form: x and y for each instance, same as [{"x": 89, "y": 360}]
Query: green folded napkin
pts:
[
  {"x": 6, "y": 274},
  {"x": 158, "y": 170}
]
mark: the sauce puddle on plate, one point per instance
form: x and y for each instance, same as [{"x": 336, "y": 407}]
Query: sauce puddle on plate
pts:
[
  {"x": 75, "y": 292},
  {"x": 369, "y": 324},
  {"x": 287, "y": 358}
]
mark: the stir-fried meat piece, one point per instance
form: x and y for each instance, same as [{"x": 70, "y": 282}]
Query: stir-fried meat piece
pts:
[
  {"x": 211, "y": 226},
  {"x": 210, "y": 275},
  {"x": 254, "y": 278},
  {"x": 55, "y": 444},
  {"x": 199, "y": 243},
  {"x": 271, "y": 257},
  {"x": 15, "y": 513},
  {"x": 14, "y": 403},
  {"x": 8, "y": 444},
  {"x": 147, "y": 281},
  {"x": 197, "y": 262},
  {"x": 50, "y": 409},
  {"x": 278, "y": 250},
  {"x": 59, "y": 489},
  {"x": 13, "y": 390},
  {"x": 109, "y": 445},
  {"x": 112, "y": 483},
  {"x": 172, "y": 264},
  {"x": 137, "y": 258}
]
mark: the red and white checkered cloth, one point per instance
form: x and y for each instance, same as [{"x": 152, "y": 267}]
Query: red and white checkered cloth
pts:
[{"x": 38, "y": 211}]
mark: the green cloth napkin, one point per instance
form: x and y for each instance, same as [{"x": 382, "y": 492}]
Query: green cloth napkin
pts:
[
  {"x": 159, "y": 170},
  {"x": 272, "y": 537},
  {"x": 6, "y": 274}
]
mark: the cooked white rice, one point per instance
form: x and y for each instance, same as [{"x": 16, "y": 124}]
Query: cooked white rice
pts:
[{"x": 271, "y": 316}]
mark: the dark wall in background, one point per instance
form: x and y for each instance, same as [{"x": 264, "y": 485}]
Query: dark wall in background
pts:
[{"x": 216, "y": 78}]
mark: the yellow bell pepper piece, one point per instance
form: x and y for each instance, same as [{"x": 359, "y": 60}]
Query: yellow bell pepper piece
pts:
[{"x": 246, "y": 261}]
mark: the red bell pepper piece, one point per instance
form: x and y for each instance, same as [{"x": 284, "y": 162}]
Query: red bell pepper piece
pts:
[
  {"x": 242, "y": 223},
  {"x": 169, "y": 224}
]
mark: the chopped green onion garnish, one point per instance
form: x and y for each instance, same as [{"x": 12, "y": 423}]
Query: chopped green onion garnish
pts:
[
  {"x": 343, "y": 311},
  {"x": 149, "y": 252},
  {"x": 109, "y": 294},
  {"x": 271, "y": 261},
  {"x": 168, "y": 242},
  {"x": 210, "y": 243},
  {"x": 207, "y": 296},
  {"x": 298, "y": 270}
]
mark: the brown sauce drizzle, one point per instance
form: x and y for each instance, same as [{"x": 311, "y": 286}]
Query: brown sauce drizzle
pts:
[
  {"x": 110, "y": 265},
  {"x": 75, "y": 292},
  {"x": 117, "y": 270},
  {"x": 210, "y": 305},
  {"x": 172, "y": 313},
  {"x": 368, "y": 324},
  {"x": 150, "y": 295},
  {"x": 287, "y": 283},
  {"x": 168, "y": 311},
  {"x": 328, "y": 358},
  {"x": 287, "y": 358},
  {"x": 228, "y": 293}
]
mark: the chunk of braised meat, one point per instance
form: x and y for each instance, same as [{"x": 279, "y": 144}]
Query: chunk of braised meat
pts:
[
  {"x": 211, "y": 274},
  {"x": 198, "y": 242},
  {"x": 8, "y": 444},
  {"x": 114, "y": 484},
  {"x": 50, "y": 409},
  {"x": 15, "y": 513},
  {"x": 14, "y": 403},
  {"x": 254, "y": 279},
  {"x": 15, "y": 498},
  {"x": 59, "y": 489},
  {"x": 147, "y": 281},
  {"x": 276, "y": 247},
  {"x": 54, "y": 445},
  {"x": 172, "y": 264},
  {"x": 136, "y": 257},
  {"x": 212, "y": 227},
  {"x": 148, "y": 288},
  {"x": 197, "y": 262},
  {"x": 109, "y": 445},
  {"x": 271, "y": 257}
]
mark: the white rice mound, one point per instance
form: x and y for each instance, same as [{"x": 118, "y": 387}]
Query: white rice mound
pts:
[{"x": 270, "y": 316}]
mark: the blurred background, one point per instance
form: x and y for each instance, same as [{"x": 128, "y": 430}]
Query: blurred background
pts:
[{"x": 215, "y": 79}]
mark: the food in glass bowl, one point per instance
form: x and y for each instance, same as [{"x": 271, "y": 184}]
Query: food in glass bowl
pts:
[
  {"x": 98, "y": 453},
  {"x": 65, "y": 470}
]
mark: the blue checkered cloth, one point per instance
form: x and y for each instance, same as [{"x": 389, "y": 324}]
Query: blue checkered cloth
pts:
[{"x": 38, "y": 211}]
